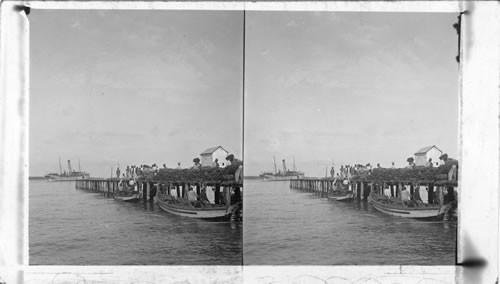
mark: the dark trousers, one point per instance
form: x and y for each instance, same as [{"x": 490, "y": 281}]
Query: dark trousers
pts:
[
  {"x": 152, "y": 193},
  {"x": 216, "y": 195}
]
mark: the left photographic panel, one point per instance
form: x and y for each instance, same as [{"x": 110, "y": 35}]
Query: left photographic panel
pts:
[{"x": 135, "y": 137}]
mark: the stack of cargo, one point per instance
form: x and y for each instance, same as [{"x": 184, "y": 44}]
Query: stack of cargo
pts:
[
  {"x": 193, "y": 175},
  {"x": 417, "y": 174}
]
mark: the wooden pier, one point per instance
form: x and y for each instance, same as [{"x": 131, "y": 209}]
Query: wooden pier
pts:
[
  {"x": 317, "y": 186},
  {"x": 149, "y": 188},
  {"x": 105, "y": 186},
  {"x": 324, "y": 186},
  {"x": 362, "y": 188}
]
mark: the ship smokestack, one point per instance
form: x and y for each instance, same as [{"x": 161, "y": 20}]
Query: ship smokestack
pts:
[
  {"x": 284, "y": 166},
  {"x": 275, "y": 169},
  {"x": 69, "y": 166}
]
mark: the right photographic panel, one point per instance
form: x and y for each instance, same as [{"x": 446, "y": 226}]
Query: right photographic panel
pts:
[{"x": 351, "y": 138}]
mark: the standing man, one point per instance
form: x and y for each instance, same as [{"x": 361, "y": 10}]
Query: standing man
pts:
[
  {"x": 191, "y": 195},
  {"x": 332, "y": 172},
  {"x": 197, "y": 164},
  {"x": 215, "y": 164},
  {"x": 153, "y": 191},
  {"x": 405, "y": 195},
  {"x": 238, "y": 175},
  {"x": 203, "y": 195},
  {"x": 233, "y": 160},
  {"x": 429, "y": 163},
  {"x": 118, "y": 172}
]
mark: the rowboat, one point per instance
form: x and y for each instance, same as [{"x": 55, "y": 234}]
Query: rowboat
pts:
[
  {"x": 406, "y": 209},
  {"x": 341, "y": 195},
  {"x": 128, "y": 196},
  {"x": 196, "y": 209}
]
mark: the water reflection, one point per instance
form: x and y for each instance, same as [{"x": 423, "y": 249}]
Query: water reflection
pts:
[{"x": 148, "y": 205}]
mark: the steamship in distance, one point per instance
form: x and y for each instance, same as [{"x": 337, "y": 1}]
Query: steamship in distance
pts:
[
  {"x": 284, "y": 175},
  {"x": 69, "y": 175}
]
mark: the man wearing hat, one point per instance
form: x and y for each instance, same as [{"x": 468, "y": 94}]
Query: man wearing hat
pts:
[
  {"x": 238, "y": 175},
  {"x": 197, "y": 164},
  {"x": 233, "y": 160}
]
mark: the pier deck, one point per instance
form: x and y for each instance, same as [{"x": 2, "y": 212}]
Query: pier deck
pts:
[
  {"x": 108, "y": 187},
  {"x": 362, "y": 187}
]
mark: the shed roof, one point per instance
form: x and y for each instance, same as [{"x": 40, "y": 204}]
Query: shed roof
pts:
[
  {"x": 426, "y": 149},
  {"x": 211, "y": 150}
]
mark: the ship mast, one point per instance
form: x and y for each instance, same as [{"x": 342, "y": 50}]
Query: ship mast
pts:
[
  {"x": 79, "y": 169},
  {"x": 275, "y": 171},
  {"x": 60, "y": 167},
  {"x": 294, "y": 164}
]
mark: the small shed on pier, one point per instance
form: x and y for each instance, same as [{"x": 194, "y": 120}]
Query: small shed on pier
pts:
[
  {"x": 424, "y": 154},
  {"x": 209, "y": 155}
]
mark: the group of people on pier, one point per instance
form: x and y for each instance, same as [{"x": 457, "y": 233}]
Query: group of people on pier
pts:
[
  {"x": 427, "y": 192},
  {"x": 230, "y": 160},
  {"x": 195, "y": 193},
  {"x": 418, "y": 193},
  {"x": 199, "y": 194},
  {"x": 134, "y": 172},
  {"x": 348, "y": 171}
]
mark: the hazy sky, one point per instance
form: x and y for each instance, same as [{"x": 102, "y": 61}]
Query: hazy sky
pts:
[
  {"x": 159, "y": 87},
  {"x": 133, "y": 87},
  {"x": 348, "y": 87}
]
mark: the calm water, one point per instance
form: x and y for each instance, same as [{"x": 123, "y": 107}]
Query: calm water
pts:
[
  {"x": 285, "y": 226},
  {"x": 74, "y": 227}
]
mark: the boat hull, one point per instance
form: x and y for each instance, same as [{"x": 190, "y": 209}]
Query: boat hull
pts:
[
  {"x": 346, "y": 197},
  {"x": 414, "y": 213},
  {"x": 281, "y": 178},
  {"x": 132, "y": 198},
  {"x": 65, "y": 178},
  {"x": 185, "y": 210},
  {"x": 127, "y": 196}
]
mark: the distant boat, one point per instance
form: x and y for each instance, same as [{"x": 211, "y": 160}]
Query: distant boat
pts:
[
  {"x": 263, "y": 174},
  {"x": 284, "y": 175},
  {"x": 128, "y": 196},
  {"x": 70, "y": 175},
  {"x": 127, "y": 193},
  {"x": 341, "y": 195}
]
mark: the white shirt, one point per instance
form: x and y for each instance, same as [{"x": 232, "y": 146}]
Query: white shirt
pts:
[
  {"x": 405, "y": 195},
  {"x": 191, "y": 195}
]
